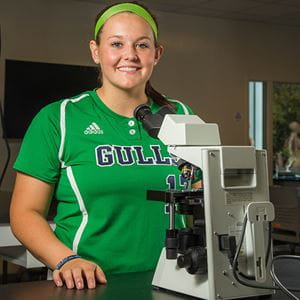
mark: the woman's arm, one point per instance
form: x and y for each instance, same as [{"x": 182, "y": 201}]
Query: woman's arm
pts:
[{"x": 30, "y": 202}]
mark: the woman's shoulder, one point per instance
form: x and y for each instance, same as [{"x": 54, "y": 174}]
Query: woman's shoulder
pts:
[
  {"x": 55, "y": 107},
  {"x": 51, "y": 113},
  {"x": 180, "y": 107}
]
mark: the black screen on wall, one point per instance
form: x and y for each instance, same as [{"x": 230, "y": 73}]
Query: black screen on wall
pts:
[{"x": 29, "y": 86}]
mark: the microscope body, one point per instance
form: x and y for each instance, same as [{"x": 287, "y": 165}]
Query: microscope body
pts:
[{"x": 235, "y": 183}]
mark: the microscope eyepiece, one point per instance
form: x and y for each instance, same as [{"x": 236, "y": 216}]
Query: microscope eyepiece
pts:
[
  {"x": 141, "y": 112},
  {"x": 151, "y": 121}
]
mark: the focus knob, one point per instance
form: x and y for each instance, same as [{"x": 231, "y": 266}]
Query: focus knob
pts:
[{"x": 194, "y": 260}]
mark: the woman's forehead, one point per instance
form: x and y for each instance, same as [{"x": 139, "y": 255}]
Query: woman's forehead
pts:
[{"x": 126, "y": 23}]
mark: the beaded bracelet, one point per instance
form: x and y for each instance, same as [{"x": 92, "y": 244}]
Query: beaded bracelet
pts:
[{"x": 65, "y": 260}]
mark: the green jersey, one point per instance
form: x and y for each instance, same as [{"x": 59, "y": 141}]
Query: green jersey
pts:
[{"x": 102, "y": 164}]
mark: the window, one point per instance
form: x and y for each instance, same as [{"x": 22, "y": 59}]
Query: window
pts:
[
  {"x": 257, "y": 113},
  {"x": 286, "y": 130}
]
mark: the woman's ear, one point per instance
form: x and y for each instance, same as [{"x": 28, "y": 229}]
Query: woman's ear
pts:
[
  {"x": 94, "y": 51},
  {"x": 158, "y": 54}
]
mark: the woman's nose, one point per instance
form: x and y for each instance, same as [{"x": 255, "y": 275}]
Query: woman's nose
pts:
[{"x": 131, "y": 53}]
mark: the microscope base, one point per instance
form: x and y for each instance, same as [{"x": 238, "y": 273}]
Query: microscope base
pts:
[{"x": 169, "y": 277}]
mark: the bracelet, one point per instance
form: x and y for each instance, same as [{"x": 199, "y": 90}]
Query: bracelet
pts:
[{"x": 65, "y": 260}]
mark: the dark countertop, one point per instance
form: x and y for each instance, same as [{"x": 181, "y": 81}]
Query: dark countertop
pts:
[{"x": 130, "y": 286}]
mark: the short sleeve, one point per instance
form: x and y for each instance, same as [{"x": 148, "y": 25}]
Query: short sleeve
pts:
[
  {"x": 181, "y": 108},
  {"x": 38, "y": 156}
]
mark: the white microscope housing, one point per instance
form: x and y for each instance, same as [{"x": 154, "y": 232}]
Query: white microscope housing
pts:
[{"x": 235, "y": 183}]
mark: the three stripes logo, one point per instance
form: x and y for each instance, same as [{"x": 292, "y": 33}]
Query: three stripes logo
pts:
[{"x": 93, "y": 129}]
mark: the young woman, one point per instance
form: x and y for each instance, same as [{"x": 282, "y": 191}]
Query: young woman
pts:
[{"x": 97, "y": 159}]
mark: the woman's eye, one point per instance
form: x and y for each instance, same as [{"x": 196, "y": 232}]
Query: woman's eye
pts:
[
  {"x": 142, "y": 45},
  {"x": 116, "y": 44}
]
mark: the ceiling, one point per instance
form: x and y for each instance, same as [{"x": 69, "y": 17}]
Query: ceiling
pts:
[{"x": 280, "y": 12}]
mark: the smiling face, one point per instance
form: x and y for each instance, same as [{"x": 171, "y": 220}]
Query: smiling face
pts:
[{"x": 126, "y": 52}]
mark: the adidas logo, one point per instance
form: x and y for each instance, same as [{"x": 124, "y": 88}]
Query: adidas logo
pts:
[{"x": 93, "y": 129}]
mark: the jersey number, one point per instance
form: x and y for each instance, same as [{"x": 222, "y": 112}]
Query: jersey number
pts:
[{"x": 172, "y": 185}]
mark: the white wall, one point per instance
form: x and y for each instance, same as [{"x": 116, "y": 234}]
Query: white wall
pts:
[{"x": 207, "y": 62}]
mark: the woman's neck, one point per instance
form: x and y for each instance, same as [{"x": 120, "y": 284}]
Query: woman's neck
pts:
[{"x": 122, "y": 102}]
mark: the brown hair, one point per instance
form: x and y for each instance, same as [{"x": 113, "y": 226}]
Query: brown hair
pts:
[{"x": 156, "y": 96}]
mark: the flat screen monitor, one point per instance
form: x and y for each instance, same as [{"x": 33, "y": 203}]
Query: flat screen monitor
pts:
[{"x": 29, "y": 86}]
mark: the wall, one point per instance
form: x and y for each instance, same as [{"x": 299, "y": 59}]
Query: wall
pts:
[{"x": 207, "y": 62}]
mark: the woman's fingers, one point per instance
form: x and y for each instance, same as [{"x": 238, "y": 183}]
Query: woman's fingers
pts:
[
  {"x": 89, "y": 274},
  {"x": 68, "y": 278},
  {"x": 79, "y": 274},
  {"x": 100, "y": 276},
  {"x": 56, "y": 278}
]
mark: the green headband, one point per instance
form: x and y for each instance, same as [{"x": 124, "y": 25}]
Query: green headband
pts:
[{"x": 126, "y": 7}]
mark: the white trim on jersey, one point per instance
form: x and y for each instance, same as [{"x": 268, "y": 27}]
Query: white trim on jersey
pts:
[
  {"x": 62, "y": 131},
  {"x": 82, "y": 209},
  {"x": 186, "y": 112},
  {"x": 63, "y": 126},
  {"x": 70, "y": 174}
]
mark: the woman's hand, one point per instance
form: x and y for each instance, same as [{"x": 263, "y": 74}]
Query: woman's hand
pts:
[{"x": 77, "y": 273}]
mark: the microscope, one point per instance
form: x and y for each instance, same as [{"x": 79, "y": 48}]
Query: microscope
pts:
[{"x": 225, "y": 250}]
